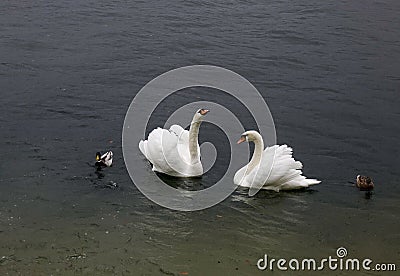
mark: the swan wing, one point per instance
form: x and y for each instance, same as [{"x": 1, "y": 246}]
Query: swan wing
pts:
[
  {"x": 168, "y": 152},
  {"x": 278, "y": 170},
  {"x": 161, "y": 144},
  {"x": 286, "y": 173},
  {"x": 183, "y": 141}
]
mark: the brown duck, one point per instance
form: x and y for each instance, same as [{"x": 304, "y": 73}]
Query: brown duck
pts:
[{"x": 364, "y": 183}]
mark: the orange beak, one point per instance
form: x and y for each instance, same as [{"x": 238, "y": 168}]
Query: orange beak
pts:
[
  {"x": 241, "y": 140},
  {"x": 204, "y": 111}
]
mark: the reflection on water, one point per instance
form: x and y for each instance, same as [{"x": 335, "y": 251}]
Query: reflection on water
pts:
[
  {"x": 188, "y": 184},
  {"x": 368, "y": 195}
]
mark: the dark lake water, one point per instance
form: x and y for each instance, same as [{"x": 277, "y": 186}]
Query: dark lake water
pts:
[{"x": 328, "y": 70}]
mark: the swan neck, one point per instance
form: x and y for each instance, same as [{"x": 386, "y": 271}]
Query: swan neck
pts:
[
  {"x": 258, "y": 150},
  {"x": 194, "y": 141}
]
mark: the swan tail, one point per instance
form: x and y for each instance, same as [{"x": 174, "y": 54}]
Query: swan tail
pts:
[
  {"x": 297, "y": 183},
  {"x": 311, "y": 182}
]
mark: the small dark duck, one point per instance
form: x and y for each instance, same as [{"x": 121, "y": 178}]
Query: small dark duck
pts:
[
  {"x": 104, "y": 160},
  {"x": 364, "y": 183}
]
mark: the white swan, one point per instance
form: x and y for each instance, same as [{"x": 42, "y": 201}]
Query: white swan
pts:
[
  {"x": 271, "y": 169},
  {"x": 176, "y": 151}
]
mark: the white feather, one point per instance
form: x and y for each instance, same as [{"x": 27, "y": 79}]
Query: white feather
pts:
[{"x": 169, "y": 152}]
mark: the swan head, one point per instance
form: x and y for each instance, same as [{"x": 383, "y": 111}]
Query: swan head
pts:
[
  {"x": 249, "y": 136},
  {"x": 198, "y": 116}
]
